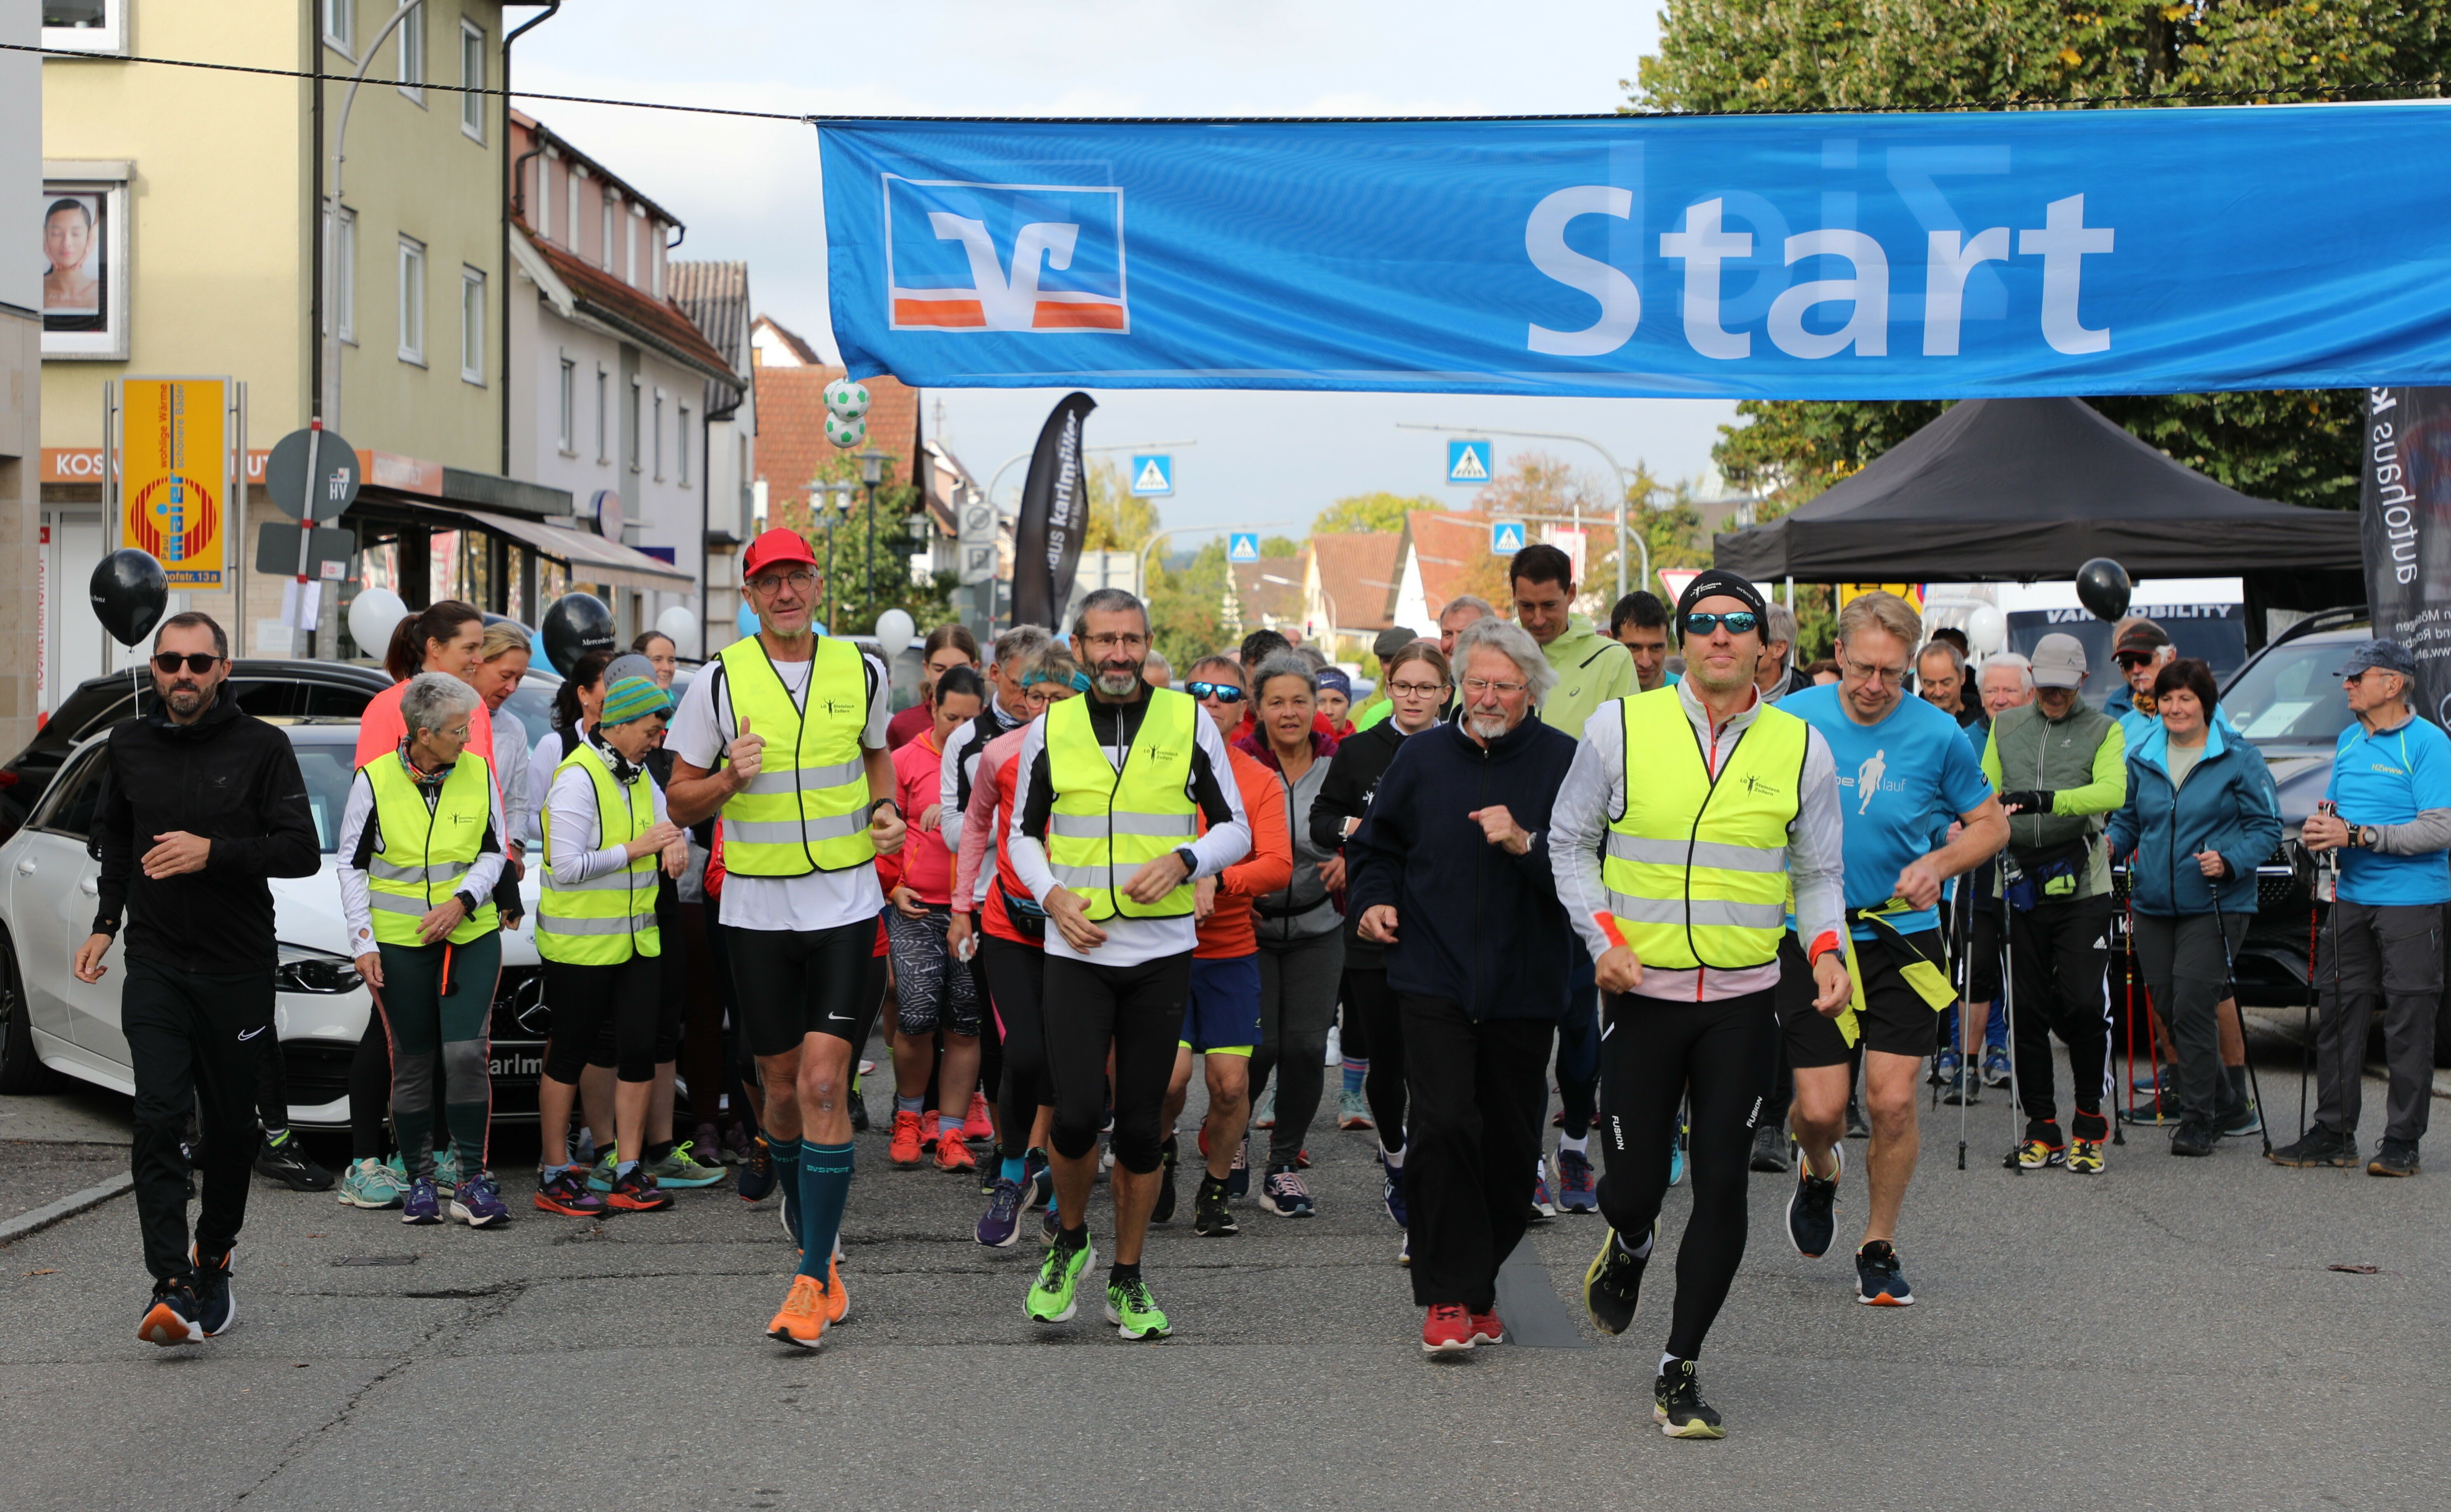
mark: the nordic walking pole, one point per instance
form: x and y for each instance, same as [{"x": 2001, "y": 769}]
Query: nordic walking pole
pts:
[
  {"x": 2009, "y": 994},
  {"x": 2229, "y": 990},
  {"x": 2328, "y": 870}
]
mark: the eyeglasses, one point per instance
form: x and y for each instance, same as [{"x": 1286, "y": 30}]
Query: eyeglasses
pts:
[
  {"x": 1222, "y": 691},
  {"x": 1117, "y": 642},
  {"x": 1866, "y": 672},
  {"x": 1416, "y": 690},
  {"x": 198, "y": 662},
  {"x": 1475, "y": 687},
  {"x": 1740, "y": 621},
  {"x": 2130, "y": 660},
  {"x": 776, "y": 582}
]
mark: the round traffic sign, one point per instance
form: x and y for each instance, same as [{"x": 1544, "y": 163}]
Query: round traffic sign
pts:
[{"x": 284, "y": 475}]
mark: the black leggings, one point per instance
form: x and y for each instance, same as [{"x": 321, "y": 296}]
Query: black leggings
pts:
[
  {"x": 596, "y": 1007},
  {"x": 1652, "y": 1053},
  {"x": 1370, "y": 1006},
  {"x": 1016, "y": 978},
  {"x": 1139, "y": 1011}
]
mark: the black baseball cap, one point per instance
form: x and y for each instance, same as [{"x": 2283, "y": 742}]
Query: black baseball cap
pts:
[{"x": 1717, "y": 581}]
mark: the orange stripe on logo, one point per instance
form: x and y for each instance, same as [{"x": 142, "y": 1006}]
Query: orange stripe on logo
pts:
[
  {"x": 1069, "y": 314},
  {"x": 962, "y": 312}
]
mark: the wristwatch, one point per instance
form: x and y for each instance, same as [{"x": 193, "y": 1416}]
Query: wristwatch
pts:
[
  {"x": 2363, "y": 836},
  {"x": 887, "y": 803},
  {"x": 1190, "y": 862}
]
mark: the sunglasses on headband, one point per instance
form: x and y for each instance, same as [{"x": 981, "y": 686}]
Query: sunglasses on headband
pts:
[
  {"x": 1738, "y": 621},
  {"x": 1222, "y": 691}
]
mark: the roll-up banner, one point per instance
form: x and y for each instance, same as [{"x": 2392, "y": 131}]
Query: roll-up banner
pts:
[
  {"x": 1054, "y": 516},
  {"x": 2406, "y": 521},
  {"x": 1954, "y": 256}
]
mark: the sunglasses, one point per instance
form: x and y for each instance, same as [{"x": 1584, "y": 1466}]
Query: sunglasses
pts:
[
  {"x": 2130, "y": 660},
  {"x": 198, "y": 662},
  {"x": 1222, "y": 691},
  {"x": 1740, "y": 621}
]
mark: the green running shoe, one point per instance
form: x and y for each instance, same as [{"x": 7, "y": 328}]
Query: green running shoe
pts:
[
  {"x": 446, "y": 1170},
  {"x": 1051, "y": 1298},
  {"x": 680, "y": 1169},
  {"x": 1133, "y": 1312},
  {"x": 599, "y": 1176},
  {"x": 369, "y": 1183}
]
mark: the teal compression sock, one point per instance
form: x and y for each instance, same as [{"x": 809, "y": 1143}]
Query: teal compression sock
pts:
[{"x": 825, "y": 1184}]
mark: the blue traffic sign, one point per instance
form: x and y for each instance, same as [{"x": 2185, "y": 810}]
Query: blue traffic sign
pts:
[
  {"x": 1152, "y": 475},
  {"x": 1243, "y": 545},
  {"x": 1468, "y": 463},
  {"x": 1505, "y": 537}
]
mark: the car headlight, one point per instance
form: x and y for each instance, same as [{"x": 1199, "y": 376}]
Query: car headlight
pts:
[{"x": 305, "y": 971}]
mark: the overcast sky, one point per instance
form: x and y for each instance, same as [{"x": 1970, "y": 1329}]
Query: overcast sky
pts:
[{"x": 748, "y": 188}]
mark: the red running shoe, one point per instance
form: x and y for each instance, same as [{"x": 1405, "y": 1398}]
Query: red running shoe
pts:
[
  {"x": 1447, "y": 1330},
  {"x": 904, "y": 1150},
  {"x": 1486, "y": 1328},
  {"x": 977, "y": 1126}
]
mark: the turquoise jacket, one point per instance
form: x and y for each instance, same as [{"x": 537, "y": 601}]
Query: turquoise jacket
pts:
[{"x": 2227, "y": 804}]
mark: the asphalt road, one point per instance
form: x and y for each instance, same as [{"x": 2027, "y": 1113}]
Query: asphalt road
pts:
[{"x": 2167, "y": 1335}]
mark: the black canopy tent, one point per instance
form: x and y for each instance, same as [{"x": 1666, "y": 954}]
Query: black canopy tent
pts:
[{"x": 2027, "y": 489}]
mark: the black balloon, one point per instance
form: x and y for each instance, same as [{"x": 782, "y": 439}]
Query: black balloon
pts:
[
  {"x": 129, "y": 591},
  {"x": 577, "y": 624},
  {"x": 2102, "y": 585}
]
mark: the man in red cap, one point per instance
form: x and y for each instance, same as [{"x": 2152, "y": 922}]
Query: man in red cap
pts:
[{"x": 784, "y": 735}]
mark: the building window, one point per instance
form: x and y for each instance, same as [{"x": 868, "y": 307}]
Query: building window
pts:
[
  {"x": 341, "y": 306},
  {"x": 86, "y": 26},
  {"x": 412, "y": 301},
  {"x": 571, "y": 180},
  {"x": 472, "y": 77},
  {"x": 569, "y": 394},
  {"x": 637, "y": 392},
  {"x": 630, "y": 248},
  {"x": 604, "y": 413},
  {"x": 341, "y": 26},
  {"x": 412, "y": 55},
  {"x": 472, "y": 324},
  {"x": 680, "y": 445},
  {"x": 659, "y": 435},
  {"x": 604, "y": 248}
]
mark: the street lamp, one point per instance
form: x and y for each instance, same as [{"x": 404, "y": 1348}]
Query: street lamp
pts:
[
  {"x": 871, "y": 472},
  {"x": 825, "y": 496}
]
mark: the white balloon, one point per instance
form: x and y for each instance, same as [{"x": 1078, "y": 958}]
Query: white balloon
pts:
[
  {"x": 373, "y": 616},
  {"x": 681, "y": 625},
  {"x": 1987, "y": 629},
  {"x": 893, "y": 630}
]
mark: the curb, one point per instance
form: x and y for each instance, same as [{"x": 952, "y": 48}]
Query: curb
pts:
[{"x": 67, "y": 1207}]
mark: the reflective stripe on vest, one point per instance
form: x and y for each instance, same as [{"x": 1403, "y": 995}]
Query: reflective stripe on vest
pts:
[
  {"x": 606, "y": 919},
  {"x": 807, "y": 808},
  {"x": 425, "y": 851},
  {"x": 1697, "y": 867},
  {"x": 1106, "y": 824}
]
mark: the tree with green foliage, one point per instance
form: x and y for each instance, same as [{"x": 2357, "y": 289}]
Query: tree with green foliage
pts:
[
  {"x": 1379, "y": 514},
  {"x": 1187, "y": 607},
  {"x": 1723, "y": 55},
  {"x": 1119, "y": 518},
  {"x": 850, "y": 604}
]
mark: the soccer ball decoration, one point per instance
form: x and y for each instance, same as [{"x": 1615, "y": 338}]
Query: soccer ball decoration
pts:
[
  {"x": 847, "y": 398},
  {"x": 845, "y": 433}
]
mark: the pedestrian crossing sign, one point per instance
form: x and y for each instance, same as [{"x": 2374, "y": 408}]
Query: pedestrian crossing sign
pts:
[
  {"x": 1243, "y": 545},
  {"x": 1152, "y": 476},
  {"x": 1505, "y": 537},
  {"x": 1468, "y": 463}
]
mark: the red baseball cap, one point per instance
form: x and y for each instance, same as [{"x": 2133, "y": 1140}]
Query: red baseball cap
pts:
[{"x": 774, "y": 545}]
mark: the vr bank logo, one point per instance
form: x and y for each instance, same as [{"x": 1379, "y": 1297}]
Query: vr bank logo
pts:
[{"x": 1004, "y": 257}]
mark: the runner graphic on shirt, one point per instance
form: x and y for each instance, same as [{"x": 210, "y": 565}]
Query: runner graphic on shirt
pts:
[{"x": 1868, "y": 780}]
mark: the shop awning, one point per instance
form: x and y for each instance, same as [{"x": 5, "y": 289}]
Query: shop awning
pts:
[{"x": 590, "y": 558}]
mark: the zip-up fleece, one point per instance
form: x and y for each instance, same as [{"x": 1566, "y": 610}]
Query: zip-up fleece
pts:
[
  {"x": 1476, "y": 925},
  {"x": 2081, "y": 760},
  {"x": 1591, "y": 669}
]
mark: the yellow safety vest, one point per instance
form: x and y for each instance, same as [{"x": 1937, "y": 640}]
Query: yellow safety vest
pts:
[
  {"x": 1697, "y": 866},
  {"x": 1105, "y": 824},
  {"x": 807, "y": 808},
  {"x": 421, "y": 853},
  {"x": 606, "y": 919}
]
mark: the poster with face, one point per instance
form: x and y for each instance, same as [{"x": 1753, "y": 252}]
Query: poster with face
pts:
[{"x": 83, "y": 251}]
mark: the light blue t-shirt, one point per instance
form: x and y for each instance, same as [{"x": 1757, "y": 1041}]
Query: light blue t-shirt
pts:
[
  {"x": 2386, "y": 778},
  {"x": 1900, "y": 783}
]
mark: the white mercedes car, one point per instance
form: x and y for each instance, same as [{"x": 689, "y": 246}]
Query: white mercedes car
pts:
[{"x": 48, "y": 883}]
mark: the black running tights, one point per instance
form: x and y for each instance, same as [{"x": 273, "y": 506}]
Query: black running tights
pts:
[
  {"x": 1652, "y": 1053},
  {"x": 1370, "y": 1004},
  {"x": 1138, "y": 1011},
  {"x": 1016, "y": 982}
]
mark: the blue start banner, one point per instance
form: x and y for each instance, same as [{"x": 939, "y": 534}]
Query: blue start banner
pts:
[{"x": 1798, "y": 257}]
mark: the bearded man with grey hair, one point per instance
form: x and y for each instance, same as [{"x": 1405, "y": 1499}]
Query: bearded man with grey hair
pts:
[{"x": 1450, "y": 872}]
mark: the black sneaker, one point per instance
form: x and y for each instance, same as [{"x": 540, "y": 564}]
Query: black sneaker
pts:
[
  {"x": 281, "y": 1160},
  {"x": 1613, "y": 1282},
  {"x": 215, "y": 1311},
  {"x": 1878, "y": 1281},
  {"x": 1770, "y": 1150},
  {"x": 2242, "y": 1121},
  {"x": 2397, "y": 1157},
  {"x": 1210, "y": 1217},
  {"x": 170, "y": 1317},
  {"x": 2321, "y": 1146},
  {"x": 1164, "y": 1211},
  {"x": 2194, "y": 1139},
  {"x": 1812, "y": 1218},
  {"x": 1678, "y": 1407}
]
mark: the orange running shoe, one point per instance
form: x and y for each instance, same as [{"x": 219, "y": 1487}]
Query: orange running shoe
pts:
[
  {"x": 904, "y": 1150},
  {"x": 952, "y": 1154},
  {"x": 927, "y": 1129},
  {"x": 837, "y": 1299},
  {"x": 802, "y": 1321},
  {"x": 978, "y": 1126}
]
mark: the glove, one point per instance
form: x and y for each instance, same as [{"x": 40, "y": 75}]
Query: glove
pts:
[{"x": 2029, "y": 801}]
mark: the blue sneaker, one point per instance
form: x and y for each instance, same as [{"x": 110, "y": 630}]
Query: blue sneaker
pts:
[
  {"x": 757, "y": 1171},
  {"x": 170, "y": 1316},
  {"x": 1038, "y": 1175},
  {"x": 215, "y": 1311},
  {"x": 1001, "y": 1224},
  {"x": 479, "y": 1204},
  {"x": 599, "y": 1175},
  {"x": 369, "y": 1183},
  {"x": 1676, "y": 1158},
  {"x": 1578, "y": 1188},
  {"x": 1995, "y": 1067},
  {"x": 421, "y": 1206},
  {"x": 1944, "y": 1068},
  {"x": 1544, "y": 1205},
  {"x": 1391, "y": 1190}
]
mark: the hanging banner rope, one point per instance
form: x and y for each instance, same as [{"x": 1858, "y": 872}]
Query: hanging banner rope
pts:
[{"x": 1796, "y": 257}]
